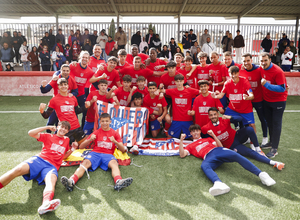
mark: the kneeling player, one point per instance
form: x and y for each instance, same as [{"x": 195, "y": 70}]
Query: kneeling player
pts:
[
  {"x": 214, "y": 155},
  {"x": 45, "y": 165},
  {"x": 106, "y": 140}
]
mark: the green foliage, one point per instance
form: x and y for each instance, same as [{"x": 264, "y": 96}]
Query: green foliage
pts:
[
  {"x": 112, "y": 29},
  {"x": 152, "y": 27}
]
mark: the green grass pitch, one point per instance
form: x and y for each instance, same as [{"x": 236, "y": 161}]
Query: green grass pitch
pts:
[{"x": 163, "y": 188}]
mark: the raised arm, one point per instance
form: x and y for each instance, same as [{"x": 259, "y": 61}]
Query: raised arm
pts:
[{"x": 182, "y": 152}]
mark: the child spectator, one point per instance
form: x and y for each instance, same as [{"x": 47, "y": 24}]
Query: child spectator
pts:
[
  {"x": 109, "y": 45},
  {"x": 68, "y": 53},
  {"x": 57, "y": 57},
  {"x": 75, "y": 50},
  {"x": 9, "y": 67}
]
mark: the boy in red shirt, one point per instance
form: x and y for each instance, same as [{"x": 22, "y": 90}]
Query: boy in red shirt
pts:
[
  {"x": 141, "y": 88},
  {"x": 202, "y": 71},
  {"x": 187, "y": 72},
  {"x": 44, "y": 166},
  {"x": 125, "y": 92},
  {"x": 214, "y": 155},
  {"x": 106, "y": 141},
  {"x": 134, "y": 53},
  {"x": 229, "y": 63}
]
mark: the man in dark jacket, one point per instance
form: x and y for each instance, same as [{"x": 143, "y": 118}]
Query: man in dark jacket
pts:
[
  {"x": 16, "y": 43},
  {"x": 93, "y": 37},
  {"x": 61, "y": 37},
  {"x": 186, "y": 42},
  {"x": 284, "y": 38},
  {"x": 238, "y": 44},
  {"x": 6, "y": 55},
  {"x": 22, "y": 36},
  {"x": 192, "y": 37},
  {"x": 149, "y": 38},
  {"x": 52, "y": 40},
  {"x": 266, "y": 44},
  {"x": 136, "y": 38}
]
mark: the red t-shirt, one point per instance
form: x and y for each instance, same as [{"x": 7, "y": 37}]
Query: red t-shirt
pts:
[
  {"x": 64, "y": 108},
  {"x": 71, "y": 82},
  {"x": 201, "y": 147},
  {"x": 81, "y": 76},
  {"x": 201, "y": 106},
  {"x": 152, "y": 66},
  {"x": 254, "y": 78},
  {"x": 218, "y": 71},
  {"x": 227, "y": 71},
  {"x": 144, "y": 92},
  {"x": 112, "y": 77},
  {"x": 274, "y": 76},
  {"x": 201, "y": 73},
  {"x": 152, "y": 103},
  {"x": 118, "y": 68},
  {"x": 168, "y": 81},
  {"x": 102, "y": 142},
  {"x": 54, "y": 148},
  {"x": 182, "y": 102},
  {"x": 191, "y": 80},
  {"x": 224, "y": 132},
  {"x": 93, "y": 64},
  {"x": 136, "y": 73},
  {"x": 235, "y": 92},
  {"x": 129, "y": 57},
  {"x": 122, "y": 96},
  {"x": 90, "y": 115}
]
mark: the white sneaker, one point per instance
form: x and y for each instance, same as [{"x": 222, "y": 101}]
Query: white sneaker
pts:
[
  {"x": 49, "y": 206},
  {"x": 219, "y": 188},
  {"x": 134, "y": 150},
  {"x": 266, "y": 179},
  {"x": 264, "y": 141}
]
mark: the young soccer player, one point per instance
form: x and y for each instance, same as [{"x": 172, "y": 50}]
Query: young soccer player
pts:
[
  {"x": 228, "y": 60},
  {"x": 187, "y": 72},
  {"x": 106, "y": 141},
  {"x": 214, "y": 155},
  {"x": 44, "y": 166},
  {"x": 167, "y": 80},
  {"x": 202, "y": 71},
  {"x": 125, "y": 92},
  {"x": 141, "y": 88},
  {"x": 134, "y": 53}
]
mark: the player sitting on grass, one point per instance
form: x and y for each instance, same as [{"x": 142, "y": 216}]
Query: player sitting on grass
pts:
[
  {"x": 214, "y": 155},
  {"x": 106, "y": 140},
  {"x": 45, "y": 165}
]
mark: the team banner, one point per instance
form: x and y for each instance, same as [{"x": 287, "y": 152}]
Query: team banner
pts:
[
  {"x": 131, "y": 123},
  {"x": 161, "y": 147}
]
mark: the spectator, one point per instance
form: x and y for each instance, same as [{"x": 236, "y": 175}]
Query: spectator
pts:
[
  {"x": 61, "y": 37},
  {"x": 294, "y": 51},
  {"x": 146, "y": 50},
  {"x": 94, "y": 37},
  {"x": 77, "y": 38},
  {"x": 88, "y": 46},
  {"x": 52, "y": 40},
  {"x": 121, "y": 38},
  {"x": 45, "y": 59},
  {"x": 8, "y": 67},
  {"x": 266, "y": 44},
  {"x": 6, "y": 39},
  {"x": 194, "y": 48},
  {"x": 172, "y": 46},
  {"x": 159, "y": 53},
  {"x": 178, "y": 50},
  {"x": 57, "y": 58},
  {"x": 149, "y": 38},
  {"x": 204, "y": 37},
  {"x": 238, "y": 44},
  {"x": 71, "y": 38},
  {"x": 22, "y": 36},
  {"x": 68, "y": 53},
  {"x": 142, "y": 45},
  {"x": 6, "y": 54},
  {"x": 192, "y": 37},
  {"x": 59, "y": 44},
  {"x": 156, "y": 42},
  {"x": 195, "y": 56},
  {"x": 33, "y": 57},
  {"x": 228, "y": 43},
  {"x": 16, "y": 43},
  {"x": 46, "y": 39},
  {"x": 186, "y": 42},
  {"x": 24, "y": 54},
  {"x": 85, "y": 36},
  {"x": 299, "y": 51},
  {"x": 224, "y": 37},
  {"x": 42, "y": 44},
  {"x": 284, "y": 38},
  {"x": 75, "y": 49},
  {"x": 275, "y": 57},
  {"x": 282, "y": 47},
  {"x": 136, "y": 38},
  {"x": 109, "y": 45},
  {"x": 208, "y": 47},
  {"x": 165, "y": 53},
  {"x": 102, "y": 39},
  {"x": 286, "y": 59},
  {"x": 114, "y": 51}
]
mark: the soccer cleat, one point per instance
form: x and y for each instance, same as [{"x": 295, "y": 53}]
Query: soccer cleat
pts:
[
  {"x": 49, "y": 206},
  {"x": 266, "y": 146},
  {"x": 134, "y": 150},
  {"x": 279, "y": 165},
  {"x": 272, "y": 153},
  {"x": 219, "y": 188},
  {"x": 258, "y": 150},
  {"x": 68, "y": 183},
  {"x": 120, "y": 184},
  {"x": 266, "y": 179}
]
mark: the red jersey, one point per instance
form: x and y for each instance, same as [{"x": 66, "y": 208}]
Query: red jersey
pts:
[
  {"x": 147, "y": 73},
  {"x": 122, "y": 96},
  {"x": 54, "y": 148},
  {"x": 81, "y": 76},
  {"x": 191, "y": 80},
  {"x": 93, "y": 64},
  {"x": 168, "y": 81},
  {"x": 119, "y": 67},
  {"x": 232, "y": 64},
  {"x": 182, "y": 102},
  {"x": 153, "y": 67},
  {"x": 144, "y": 92},
  {"x": 254, "y": 78},
  {"x": 201, "y": 106},
  {"x": 201, "y": 147},
  {"x": 217, "y": 72},
  {"x": 152, "y": 103},
  {"x": 90, "y": 115},
  {"x": 64, "y": 108},
  {"x": 102, "y": 142},
  {"x": 201, "y": 73},
  {"x": 112, "y": 77},
  {"x": 71, "y": 82},
  {"x": 224, "y": 132},
  {"x": 129, "y": 57},
  {"x": 234, "y": 93},
  {"x": 178, "y": 67},
  {"x": 275, "y": 76}
]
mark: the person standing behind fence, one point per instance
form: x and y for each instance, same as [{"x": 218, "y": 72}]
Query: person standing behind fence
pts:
[
  {"x": 85, "y": 36},
  {"x": 102, "y": 39},
  {"x": 228, "y": 43},
  {"x": 52, "y": 40},
  {"x": 6, "y": 55},
  {"x": 121, "y": 38},
  {"x": 24, "y": 54},
  {"x": 204, "y": 37},
  {"x": 45, "y": 59},
  {"x": 61, "y": 37},
  {"x": 238, "y": 44},
  {"x": 266, "y": 44},
  {"x": 149, "y": 38},
  {"x": 17, "y": 42},
  {"x": 88, "y": 46},
  {"x": 192, "y": 37},
  {"x": 71, "y": 38},
  {"x": 186, "y": 42},
  {"x": 109, "y": 46},
  {"x": 208, "y": 47},
  {"x": 33, "y": 57},
  {"x": 94, "y": 37},
  {"x": 136, "y": 39}
]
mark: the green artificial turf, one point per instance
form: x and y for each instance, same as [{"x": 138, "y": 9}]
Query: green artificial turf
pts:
[{"x": 163, "y": 188}]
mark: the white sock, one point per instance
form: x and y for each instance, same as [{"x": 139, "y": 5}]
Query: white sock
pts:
[
  {"x": 252, "y": 147},
  {"x": 272, "y": 162},
  {"x": 264, "y": 140},
  {"x": 257, "y": 149}
]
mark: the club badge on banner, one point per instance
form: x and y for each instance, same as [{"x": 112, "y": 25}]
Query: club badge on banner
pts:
[{"x": 131, "y": 123}]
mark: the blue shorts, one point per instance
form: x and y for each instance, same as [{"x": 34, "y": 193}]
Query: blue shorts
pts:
[
  {"x": 180, "y": 126},
  {"x": 248, "y": 118},
  {"x": 154, "y": 125},
  {"x": 99, "y": 160},
  {"x": 39, "y": 168},
  {"x": 88, "y": 127}
]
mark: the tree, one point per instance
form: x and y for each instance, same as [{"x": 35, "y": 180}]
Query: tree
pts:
[
  {"x": 112, "y": 29},
  {"x": 152, "y": 27}
]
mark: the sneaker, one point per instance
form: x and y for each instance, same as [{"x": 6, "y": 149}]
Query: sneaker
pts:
[
  {"x": 264, "y": 141},
  {"x": 258, "y": 150},
  {"x": 266, "y": 179},
  {"x": 266, "y": 146},
  {"x": 134, "y": 150},
  {"x": 68, "y": 183},
  {"x": 120, "y": 184},
  {"x": 219, "y": 188},
  {"x": 279, "y": 165},
  {"x": 273, "y": 152},
  {"x": 49, "y": 206}
]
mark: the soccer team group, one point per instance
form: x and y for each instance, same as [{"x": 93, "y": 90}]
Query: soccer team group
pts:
[{"x": 184, "y": 101}]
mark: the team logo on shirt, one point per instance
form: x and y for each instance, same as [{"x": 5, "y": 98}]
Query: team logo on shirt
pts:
[
  {"x": 235, "y": 90},
  {"x": 67, "y": 102},
  {"x": 173, "y": 82},
  {"x": 219, "y": 132},
  {"x": 202, "y": 71},
  {"x": 136, "y": 75},
  {"x": 125, "y": 97},
  {"x": 180, "y": 95},
  {"x": 154, "y": 104},
  {"x": 204, "y": 103},
  {"x": 104, "y": 138},
  {"x": 264, "y": 76},
  {"x": 108, "y": 77},
  {"x": 61, "y": 142},
  {"x": 81, "y": 74},
  {"x": 249, "y": 78}
]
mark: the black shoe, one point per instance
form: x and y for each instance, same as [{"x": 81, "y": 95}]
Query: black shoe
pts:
[
  {"x": 123, "y": 183},
  {"x": 266, "y": 146},
  {"x": 273, "y": 152},
  {"x": 67, "y": 183}
]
